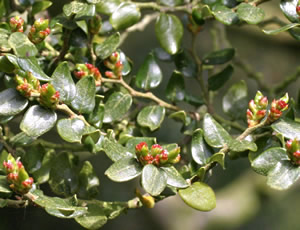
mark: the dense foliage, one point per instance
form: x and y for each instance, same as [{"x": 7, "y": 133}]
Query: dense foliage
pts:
[{"x": 67, "y": 75}]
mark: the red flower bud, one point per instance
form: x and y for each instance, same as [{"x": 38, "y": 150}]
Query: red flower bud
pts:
[
  {"x": 109, "y": 74},
  {"x": 20, "y": 165},
  {"x": 89, "y": 66},
  {"x": 263, "y": 102},
  {"x": 281, "y": 104},
  {"x": 8, "y": 165},
  {"x": 139, "y": 146},
  {"x": 297, "y": 154},
  {"x": 119, "y": 64},
  {"x": 298, "y": 9},
  {"x": 28, "y": 182},
  {"x": 288, "y": 144},
  {"x": 12, "y": 177}
]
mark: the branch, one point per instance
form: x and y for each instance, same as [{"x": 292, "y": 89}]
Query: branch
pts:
[
  {"x": 7, "y": 146},
  {"x": 154, "y": 6},
  {"x": 14, "y": 203}
]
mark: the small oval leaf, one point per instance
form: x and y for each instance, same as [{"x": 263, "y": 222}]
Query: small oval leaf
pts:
[
  {"x": 174, "y": 178},
  {"x": 288, "y": 128},
  {"x": 31, "y": 65},
  {"x": 201, "y": 152},
  {"x": 71, "y": 130},
  {"x": 151, "y": 117},
  {"x": 249, "y": 13},
  {"x": 219, "y": 57},
  {"x": 21, "y": 45},
  {"x": 11, "y": 102},
  {"x": 106, "y": 48}
]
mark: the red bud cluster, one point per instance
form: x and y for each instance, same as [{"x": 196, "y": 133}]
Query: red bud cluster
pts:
[
  {"x": 39, "y": 31},
  {"x": 115, "y": 65},
  {"x": 277, "y": 107},
  {"x": 83, "y": 70},
  {"x": 257, "y": 109},
  {"x": 16, "y": 24},
  {"x": 293, "y": 150}
]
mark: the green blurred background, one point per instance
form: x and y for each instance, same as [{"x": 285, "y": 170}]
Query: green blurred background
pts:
[{"x": 243, "y": 200}]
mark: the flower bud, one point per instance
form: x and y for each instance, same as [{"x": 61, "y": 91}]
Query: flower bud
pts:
[
  {"x": 142, "y": 149},
  {"x": 298, "y": 8},
  {"x": 173, "y": 154},
  {"x": 277, "y": 107},
  {"x": 293, "y": 150},
  {"x": 16, "y": 24},
  {"x": 257, "y": 109},
  {"x": 39, "y": 31},
  {"x": 114, "y": 63},
  {"x": 28, "y": 85},
  {"x": 49, "y": 97},
  {"x": 87, "y": 69},
  {"x": 156, "y": 149}
]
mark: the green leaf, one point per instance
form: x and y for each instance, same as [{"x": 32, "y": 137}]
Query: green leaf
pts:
[
  {"x": 218, "y": 158},
  {"x": 124, "y": 169},
  {"x": 74, "y": 8},
  {"x": 288, "y": 128},
  {"x": 199, "y": 196},
  {"x": 136, "y": 140},
  {"x": 93, "y": 1},
  {"x": 4, "y": 187},
  {"x": 235, "y": 101},
  {"x": 71, "y": 129},
  {"x": 169, "y": 32},
  {"x": 40, "y": 6},
  {"x": 219, "y": 57},
  {"x": 115, "y": 151},
  {"x": 215, "y": 135},
  {"x": 88, "y": 181},
  {"x": 281, "y": 29},
  {"x": 21, "y": 45},
  {"x": 268, "y": 160},
  {"x": 37, "y": 121},
  {"x": 5, "y": 119},
  {"x": 21, "y": 139},
  {"x": 175, "y": 88},
  {"x": 151, "y": 117},
  {"x": 63, "y": 177},
  {"x": 4, "y": 34},
  {"x": 86, "y": 13},
  {"x": 154, "y": 180},
  {"x": 288, "y": 7},
  {"x": 185, "y": 64},
  {"x": 201, "y": 152},
  {"x": 116, "y": 106},
  {"x": 126, "y": 64},
  {"x": 11, "y": 102},
  {"x": 32, "y": 159},
  {"x": 216, "y": 81},
  {"x": 62, "y": 208},
  {"x": 99, "y": 212},
  {"x": 170, "y": 2},
  {"x": 5, "y": 65},
  {"x": 63, "y": 82},
  {"x": 106, "y": 48},
  {"x": 149, "y": 75},
  {"x": 84, "y": 101},
  {"x": 31, "y": 65},
  {"x": 108, "y": 7},
  {"x": 3, "y": 157},
  {"x": 174, "y": 178},
  {"x": 283, "y": 175},
  {"x": 96, "y": 117},
  {"x": 126, "y": 15},
  {"x": 249, "y": 13},
  {"x": 181, "y": 116},
  {"x": 241, "y": 146},
  {"x": 224, "y": 14},
  {"x": 42, "y": 175}
]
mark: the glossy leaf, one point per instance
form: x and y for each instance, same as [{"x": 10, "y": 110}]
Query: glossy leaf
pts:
[
  {"x": 21, "y": 45},
  {"x": 86, "y": 13},
  {"x": 126, "y": 63},
  {"x": 31, "y": 65},
  {"x": 63, "y": 83},
  {"x": 5, "y": 119},
  {"x": 199, "y": 196},
  {"x": 37, "y": 121},
  {"x": 149, "y": 74},
  {"x": 40, "y": 6},
  {"x": 21, "y": 139},
  {"x": 216, "y": 81},
  {"x": 185, "y": 63},
  {"x": 288, "y": 128},
  {"x": 169, "y": 32},
  {"x": 116, "y": 106},
  {"x": 240, "y": 146},
  {"x": 249, "y": 13},
  {"x": 84, "y": 101},
  {"x": 224, "y": 14},
  {"x": 32, "y": 159},
  {"x": 108, "y": 7},
  {"x": 106, "y": 48},
  {"x": 201, "y": 152},
  {"x": 154, "y": 180},
  {"x": 219, "y": 57},
  {"x": 175, "y": 88},
  {"x": 11, "y": 102},
  {"x": 115, "y": 151},
  {"x": 174, "y": 178},
  {"x": 181, "y": 116},
  {"x": 235, "y": 101},
  {"x": 215, "y": 135},
  {"x": 124, "y": 169},
  {"x": 42, "y": 175},
  {"x": 74, "y": 8},
  {"x": 268, "y": 160},
  {"x": 151, "y": 117},
  {"x": 288, "y": 7},
  {"x": 71, "y": 129},
  {"x": 126, "y": 15},
  {"x": 218, "y": 158},
  {"x": 96, "y": 117}
]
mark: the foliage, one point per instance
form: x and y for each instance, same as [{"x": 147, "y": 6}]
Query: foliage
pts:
[{"x": 67, "y": 75}]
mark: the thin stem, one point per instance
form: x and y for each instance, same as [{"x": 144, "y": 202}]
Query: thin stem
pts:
[
  {"x": 64, "y": 108},
  {"x": 14, "y": 203},
  {"x": 154, "y": 6},
  {"x": 7, "y": 146},
  {"x": 52, "y": 145},
  {"x": 91, "y": 49}
]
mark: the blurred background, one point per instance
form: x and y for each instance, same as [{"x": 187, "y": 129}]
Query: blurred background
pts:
[{"x": 243, "y": 200}]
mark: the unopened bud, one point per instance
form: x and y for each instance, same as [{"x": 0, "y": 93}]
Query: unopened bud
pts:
[{"x": 16, "y": 24}]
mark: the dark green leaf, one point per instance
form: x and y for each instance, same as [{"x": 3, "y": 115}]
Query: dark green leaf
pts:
[
  {"x": 124, "y": 170},
  {"x": 84, "y": 101},
  {"x": 201, "y": 152},
  {"x": 11, "y": 102},
  {"x": 181, "y": 116},
  {"x": 40, "y": 6},
  {"x": 96, "y": 117},
  {"x": 116, "y": 106},
  {"x": 219, "y": 57},
  {"x": 174, "y": 178},
  {"x": 5, "y": 65},
  {"x": 151, "y": 117},
  {"x": 33, "y": 157},
  {"x": 240, "y": 146},
  {"x": 71, "y": 129},
  {"x": 175, "y": 88},
  {"x": 235, "y": 101},
  {"x": 288, "y": 128},
  {"x": 288, "y": 7},
  {"x": 268, "y": 160},
  {"x": 215, "y": 135},
  {"x": 106, "y": 48},
  {"x": 169, "y": 32},
  {"x": 63, "y": 82},
  {"x": 21, "y": 45},
  {"x": 154, "y": 180},
  {"x": 199, "y": 196},
  {"x": 115, "y": 151},
  {"x": 42, "y": 175},
  {"x": 224, "y": 14},
  {"x": 21, "y": 139},
  {"x": 86, "y": 13},
  {"x": 108, "y": 7},
  {"x": 216, "y": 81},
  {"x": 149, "y": 74},
  {"x": 249, "y": 13},
  {"x": 126, "y": 15},
  {"x": 37, "y": 121},
  {"x": 31, "y": 65}
]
